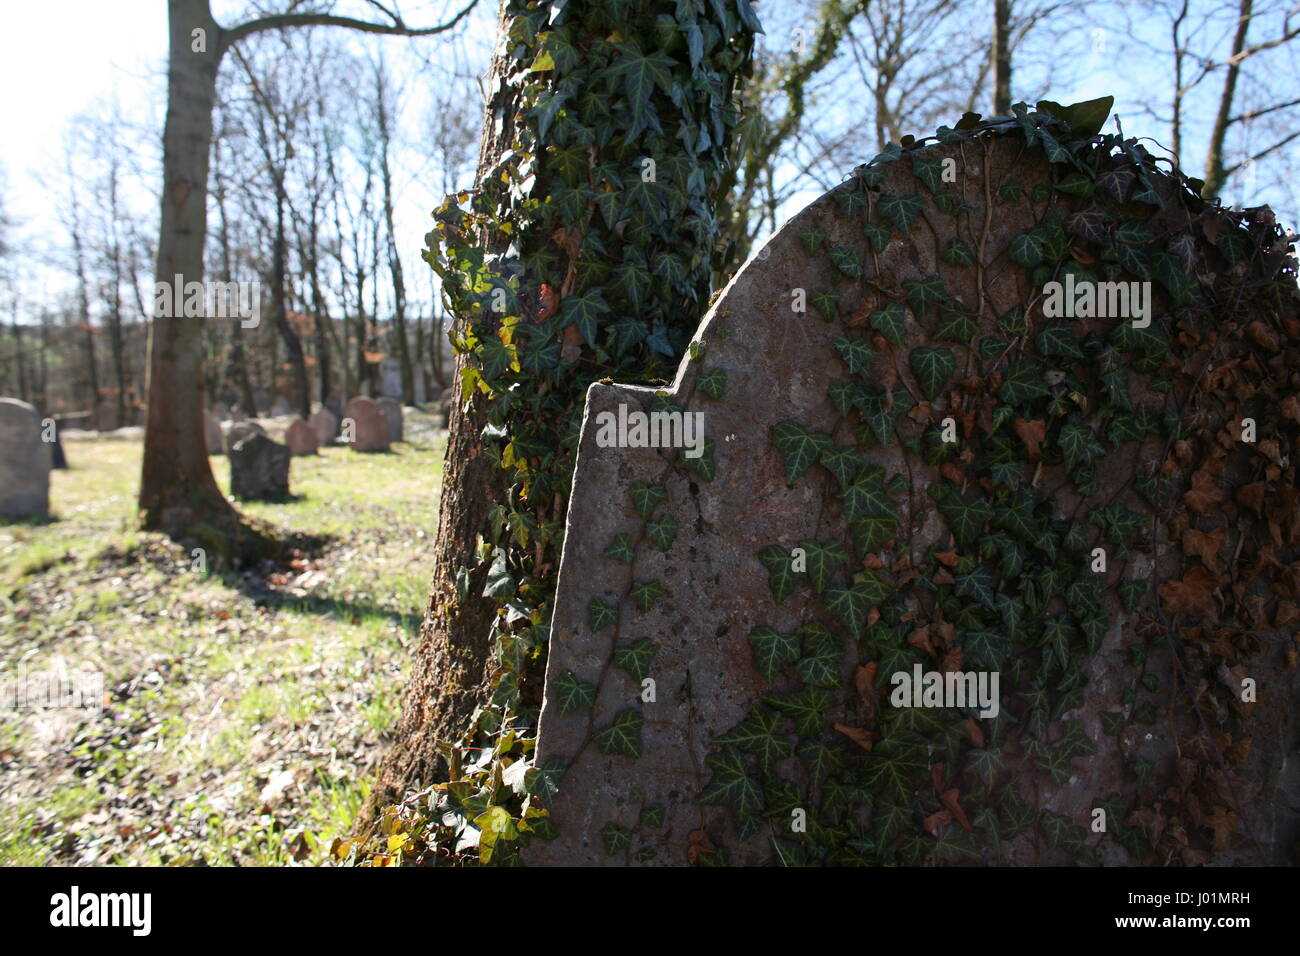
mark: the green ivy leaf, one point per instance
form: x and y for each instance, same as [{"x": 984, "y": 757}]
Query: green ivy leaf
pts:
[
  {"x": 965, "y": 519},
  {"x": 616, "y": 838},
  {"x": 704, "y": 465},
  {"x": 851, "y": 605},
  {"x": 932, "y": 368},
  {"x": 1026, "y": 249},
  {"x": 813, "y": 238},
  {"x": 645, "y": 593},
  {"x": 956, "y": 326},
  {"x": 635, "y": 658},
  {"x": 621, "y": 549},
  {"x": 573, "y": 694},
  {"x": 662, "y": 532},
  {"x": 713, "y": 383},
  {"x": 1057, "y": 338},
  {"x": 843, "y": 463},
  {"x": 601, "y": 614},
  {"x": 827, "y": 303},
  {"x": 958, "y": 253},
  {"x": 824, "y": 558},
  {"x": 930, "y": 288},
  {"x": 807, "y": 708},
  {"x": 877, "y": 234},
  {"x": 890, "y": 320},
  {"x": 647, "y": 497},
  {"x": 731, "y": 784},
  {"x": 771, "y": 650},
  {"x": 848, "y": 261},
  {"x": 758, "y": 734},
  {"x": 856, "y": 353},
  {"x": 1022, "y": 384},
  {"x": 900, "y": 210},
  {"x": 799, "y": 446},
  {"x": 623, "y": 737},
  {"x": 866, "y": 497},
  {"x": 822, "y": 653},
  {"x": 780, "y": 572}
]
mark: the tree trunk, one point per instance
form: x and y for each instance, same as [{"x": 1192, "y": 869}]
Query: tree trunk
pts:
[
  {"x": 1214, "y": 162},
  {"x": 292, "y": 343},
  {"x": 1001, "y": 57},
  {"x": 455, "y": 639},
  {"x": 454, "y": 673},
  {"x": 177, "y": 489}
]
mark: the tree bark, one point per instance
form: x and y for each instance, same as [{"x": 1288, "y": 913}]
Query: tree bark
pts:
[
  {"x": 177, "y": 489},
  {"x": 456, "y": 636},
  {"x": 1214, "y": 163},
  {"x": 1002, "y": 57}
]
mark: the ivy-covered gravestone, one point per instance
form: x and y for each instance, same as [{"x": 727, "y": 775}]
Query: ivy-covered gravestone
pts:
[{"x": 967, "y": 534}]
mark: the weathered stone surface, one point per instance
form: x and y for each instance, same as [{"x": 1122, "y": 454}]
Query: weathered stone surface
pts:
[
  {"x": 392, "y": 411},
  {"x": 778, "y": 365},
  {"x": 221, "y": 411},
  {"x": 326, "y": 425},
  {"x": 280, "y": 408},
  {"x": 25, "y": 462},
  {"x": 236, "y": 431},
  {"x": 212, "y": 433},
  {"x": 367, "y": 425},
  {"x": 259, "y": 468},
  {"x": 301, "y": 438}
]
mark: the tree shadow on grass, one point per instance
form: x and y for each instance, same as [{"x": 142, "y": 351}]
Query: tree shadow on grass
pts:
[{"x": 299, "y": 548}]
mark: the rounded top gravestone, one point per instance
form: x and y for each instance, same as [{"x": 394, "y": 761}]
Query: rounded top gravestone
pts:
[
  {"x": 25, "y": 462},
  {"x": 392, "y": 411},
  {"x": 326, "y": 425},
  {"x": 301, "y": 438},
  {"x": 864, "y": 584},
  {"x": 367, "y": 425}
]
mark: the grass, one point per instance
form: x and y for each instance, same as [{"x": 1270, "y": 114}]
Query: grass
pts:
[{"x": 243, "y": 712}]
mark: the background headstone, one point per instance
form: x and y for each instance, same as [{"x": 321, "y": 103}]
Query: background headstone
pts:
[
  {"x": 24, "y": 462},
  {"x": 221, "y": 411},
  {"x": 280, "y": 408},
  {"x": 236, "y": 431},
  {"x": 392, "y": 411},
  {"x": 370, "y": 428},
  {"x": 326, "y": 425},
  {"x": 301, "y": 438},
  {"x": 390, "y": 377},
  {"x": 259, "y": 469}
]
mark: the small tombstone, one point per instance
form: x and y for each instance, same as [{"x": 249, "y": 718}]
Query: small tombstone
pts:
[
  {"x": 390, "y": 377},
  {"x": 369, "y": 426},
  {"x": 335, "y": 404},
  {"x": 392, "y": 410},
  {"x": 259, "y": 469},
  {"x": 280, "y": 408},
  {"x": 106, "y": 418},
  {"x": 262, "y": 400},
  {"x": 235, "y": 432},
  {"x": 421, "y": 390},
  {"x": 212, "y": 434},
  {"x": 220, "y": 411},
  {"x": 237, "y": 414},
  {"x": 24, "y": 462},
  {"x": 301, "y": 438},
  {"x": 326, "y": 426}
]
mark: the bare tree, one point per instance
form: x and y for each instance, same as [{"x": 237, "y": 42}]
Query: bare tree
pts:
[{"x": 177, "y": 490}]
